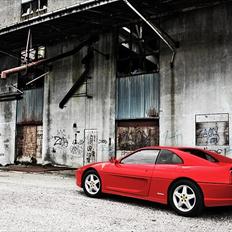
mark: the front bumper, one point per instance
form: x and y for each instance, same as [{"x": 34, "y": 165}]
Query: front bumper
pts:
[{"x": 78, "y": 175}]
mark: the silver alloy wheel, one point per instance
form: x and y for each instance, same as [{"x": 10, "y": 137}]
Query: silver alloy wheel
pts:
[
  {"x": 184, "y": 198},
  {"x": 92, "y": 184}
]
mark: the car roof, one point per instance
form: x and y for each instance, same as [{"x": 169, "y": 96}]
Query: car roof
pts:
[
  {"x": 169, "y": 147},
  {"x": 218, "y": 157}
]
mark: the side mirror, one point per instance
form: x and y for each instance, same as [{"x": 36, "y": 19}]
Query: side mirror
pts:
[{"x": 113, "y": 160}]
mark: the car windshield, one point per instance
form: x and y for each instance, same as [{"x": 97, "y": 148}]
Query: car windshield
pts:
[{"x": 200, "y": 154}]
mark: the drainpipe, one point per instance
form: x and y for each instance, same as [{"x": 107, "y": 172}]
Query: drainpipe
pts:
[
  {"x": 5, "y": 73},
  {"x": 164, "y": 37}
]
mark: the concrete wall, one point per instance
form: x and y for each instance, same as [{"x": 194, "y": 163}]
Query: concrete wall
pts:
[
  {"x": 10, "y": 12},
  {"x": 85, "y": 125},
  {"x": 200, "y": 82},
  {"x": 58, "y": 4},
  {"x": 7, "y": 116}
]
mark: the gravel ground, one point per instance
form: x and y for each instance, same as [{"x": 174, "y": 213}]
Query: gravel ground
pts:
[{"x": 52, "y": 202}]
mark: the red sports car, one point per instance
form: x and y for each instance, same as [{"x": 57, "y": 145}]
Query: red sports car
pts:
[{"x": 186, "y": 178}]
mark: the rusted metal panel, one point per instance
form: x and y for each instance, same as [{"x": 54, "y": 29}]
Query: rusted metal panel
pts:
[
  {"x": 137, "y": 133},
  {"x": 138, "y": 96},
  {"x": 30, "y": 107},
  {"x": 152, "y": 95}
]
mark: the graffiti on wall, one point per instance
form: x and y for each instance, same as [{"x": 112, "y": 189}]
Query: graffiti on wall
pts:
[
  {"x": 65, "y": 143},
  {"x": 77, "y": 145},
  {"x": 130, "y": 138},
  {"x": 91, "y": 142},
  {"x": 60, "y": 139},
  {"x": 212, "y": 130},
  {"x": 80, "y": 145},
  {"x": 175, "y": 138}
]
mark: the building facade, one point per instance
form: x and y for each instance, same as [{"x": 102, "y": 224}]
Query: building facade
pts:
[{"x": 83, "y": 81}]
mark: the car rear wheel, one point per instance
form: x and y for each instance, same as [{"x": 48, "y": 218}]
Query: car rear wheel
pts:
[
  {"x": 186, "y": 198},
  {"x": 92, "y": 184}
]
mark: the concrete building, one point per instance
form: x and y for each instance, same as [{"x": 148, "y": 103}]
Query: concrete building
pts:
[{"x": 82, "y": 81}]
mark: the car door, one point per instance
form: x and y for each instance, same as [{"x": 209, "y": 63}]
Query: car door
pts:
[
  {"x": 165, "y": 171},
  {"x": 132, "y": 174}
]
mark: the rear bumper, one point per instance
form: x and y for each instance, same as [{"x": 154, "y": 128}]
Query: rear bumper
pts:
[{"x": 217, "y": 194}]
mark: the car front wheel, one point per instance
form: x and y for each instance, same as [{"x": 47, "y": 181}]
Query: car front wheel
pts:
[
  {"x": 186, "y": 198},
  {"x": 92, "y": 184}
]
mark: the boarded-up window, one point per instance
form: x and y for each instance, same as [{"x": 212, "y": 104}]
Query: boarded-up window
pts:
[
  {"x": 135, "y": 134},
  {"x": 212, "y": 130},
  {"x": 29, "y": 142}
]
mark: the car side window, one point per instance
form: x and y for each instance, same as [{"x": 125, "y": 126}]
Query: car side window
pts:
[
  {"x": 141, "y": 157},
  {"x": 200, "y": 154},
  {"x": 168, "y": 157}
]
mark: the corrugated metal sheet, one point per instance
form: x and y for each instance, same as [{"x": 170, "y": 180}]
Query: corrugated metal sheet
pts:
[
  {"x": 30, "y": 107},
  {"x": 138, "y": 96}
]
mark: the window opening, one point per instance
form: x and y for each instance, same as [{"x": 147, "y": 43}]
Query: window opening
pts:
[
  {"x": 34, "y": 54},
  {"x": 25, "y": 77},
  {"x": 138, "y": 51},
  {"x": 32, "y": 8}
]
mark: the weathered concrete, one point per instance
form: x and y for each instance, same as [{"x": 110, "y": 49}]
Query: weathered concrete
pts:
[
  {"x": 200, "y": 82},
  {"x": 10, "y": 12},
  {"x": 67, "y": 135},
  {"x": 57, "y": 4},
  {"x": 7, "y": 116}
]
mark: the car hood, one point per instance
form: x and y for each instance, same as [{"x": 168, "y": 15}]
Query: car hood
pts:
[{"x": 93, "y": 165}]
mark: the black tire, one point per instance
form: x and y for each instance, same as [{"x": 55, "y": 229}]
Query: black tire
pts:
[
  {"x": 186, "y": 198},
  {"x": 91, "y": 184}
]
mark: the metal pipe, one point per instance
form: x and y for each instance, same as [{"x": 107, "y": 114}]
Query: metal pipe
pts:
[
  {"x": 16, "y": 89},
  {"x": 37, "y": 78},
  {"x": 20, "y": 68},
  {"x": 27, "y": 51},
  {"x": 170, "y": 43},
  {"x": 172, "y": 59},
  {"x": 8, "y": 54},
  {"x": 87, "y": 42},
  {"x": 74, "y": 88}
]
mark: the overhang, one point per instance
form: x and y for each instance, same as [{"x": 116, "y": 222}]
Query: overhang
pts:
[{"x": 97, "y": 15}]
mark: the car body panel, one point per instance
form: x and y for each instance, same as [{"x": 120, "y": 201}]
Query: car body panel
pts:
[
  {"x": 128, "y": 178},
  {"x": 152, "y": 181}
]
